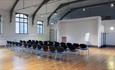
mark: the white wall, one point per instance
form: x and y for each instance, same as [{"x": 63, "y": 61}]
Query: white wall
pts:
[
  {"x": 6, "y": 26},
  {"x": 76, "y": 29},
  {"x": 9, "y": 30},
  {"x": 110, "y": 35}
]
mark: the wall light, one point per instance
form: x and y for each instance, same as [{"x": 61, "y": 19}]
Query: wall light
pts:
[
  {"x": 51, "y": 23},
  {"x": 112, "y": 28}
]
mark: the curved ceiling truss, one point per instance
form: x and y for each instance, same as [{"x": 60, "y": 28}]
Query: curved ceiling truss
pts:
[
  {"x": 34, "y": 14},
  {"x": 73, "y": 9},
  {"x": 12, "y": 9},
  {"x": 61, "y": 6}
]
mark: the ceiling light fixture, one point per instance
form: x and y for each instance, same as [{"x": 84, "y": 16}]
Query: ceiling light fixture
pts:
[
  {"x": 55, "y": 13},
  {"x": 84, "y": 9},
  {"x": 112, "y": 5}
]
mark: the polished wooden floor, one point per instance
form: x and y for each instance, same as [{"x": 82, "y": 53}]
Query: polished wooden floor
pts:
[{"x": 98, "y": 59}]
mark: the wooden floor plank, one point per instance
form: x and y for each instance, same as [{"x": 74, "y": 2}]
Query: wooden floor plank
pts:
[{"x": 98, "y": 59}]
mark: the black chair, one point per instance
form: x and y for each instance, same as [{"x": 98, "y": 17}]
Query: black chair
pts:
[
  {"x": 83, "y": 48},
  {"x": 46, "y": 43},
  {"x": 71, "y": 47},
  {"x": 51, "y": 43},
  {"x": 8, "y": 44},
  {"x": 60, "y": 53},
  {"x": 56, "y": 44},
  {"x": 60, "y": 49},
  {"x": 40, "y": 43},
  {"x": 34, "y": 46},
  {"x": 52, "y": 51},
  {"x": 29, "y": 43},
  {"x": 21, "y": 42},
  {"x": 72, "y": 50},
  {"x": 45, "y": 48},
  {"x": 76, "y": 45},
  {"x": 62, "y": 44},
  {"x": 37, "y": 45},
  {"x": 24, "y": 44}
]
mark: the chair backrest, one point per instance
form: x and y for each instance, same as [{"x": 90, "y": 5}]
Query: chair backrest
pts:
[
  {"x": 51, "y": 43},
  {"x": 29, "y": 42},
  {"x": 38, "y": 47},
  {"x": 36, "y": 42},
  {"x": 76, "y": 45},
  {"x": 83, "y": 46},
  {"x": 60, "y": 49},
  {"x": 25, "y": 44},
  {"x": 46, "y": 43},
  {"x": 52, "y": 49},
  {"x": 62, "y": 44},
  {"x": 40, "y": 43},
  {"x": 56, "y": 44},
  {"x": 45, "y": 48},
  {"x": 70, "y": 46}
]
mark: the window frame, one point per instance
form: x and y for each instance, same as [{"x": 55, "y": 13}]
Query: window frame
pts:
[
  {"x": 23, "y": 23},
  {"x": 38, "y": 26}
]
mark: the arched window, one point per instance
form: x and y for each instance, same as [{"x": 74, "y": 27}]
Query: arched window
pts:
[
  {"x": 21, "y": 23},
  {"x": 40, "y": 27}
]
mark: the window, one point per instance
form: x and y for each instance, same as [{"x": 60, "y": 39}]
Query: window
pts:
[
  {"x": 21, "y": 23},
  {"x": 40, "y": 27},
  {"x": 0, "y": 24}
]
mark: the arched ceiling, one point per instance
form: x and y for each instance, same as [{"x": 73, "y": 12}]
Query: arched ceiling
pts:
[
  {"x": 47, "y": 9},
  {"x": 6, "y": 4}
]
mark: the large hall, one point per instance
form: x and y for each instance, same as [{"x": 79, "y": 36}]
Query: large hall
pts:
[{"x": 57, "y": 34}]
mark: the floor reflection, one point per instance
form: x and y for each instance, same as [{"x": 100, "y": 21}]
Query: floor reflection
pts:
[
  {"x": 98, "y": 59},
  {"x": 111, "y": 63}
]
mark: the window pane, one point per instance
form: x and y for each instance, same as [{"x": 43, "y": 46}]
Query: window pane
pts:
[
  {"x": 17, "y": 27},
  {"x": 37, "y": 28},
  {"x": 21, "y": 28},
  {"x": 39, "y": 22},
  {"x": 25, "y": 16},
  {"x": 21, "y": 20},
  {"x": 41, "y": 30},
  {"x": 17, "y": 19},
  {"x": 17, "y": 15},
  {"x": 25, "y": 28},
  {"x": 25, "y": 20},
  {"x": 21, "y": 15}
]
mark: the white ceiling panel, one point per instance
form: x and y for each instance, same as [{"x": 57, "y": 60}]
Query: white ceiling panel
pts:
[
  {"x": 6, "y": 4},
  {"x": 29, "y": 6}
]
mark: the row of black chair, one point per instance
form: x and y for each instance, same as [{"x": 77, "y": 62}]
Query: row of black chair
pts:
[
  {"x": 39, "y": 44},
  {"x": 48, "y": 46}
]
